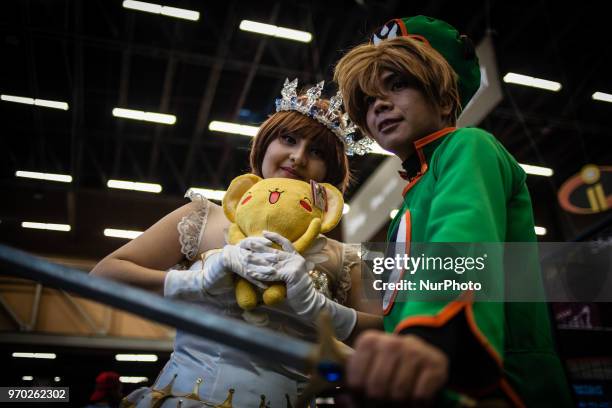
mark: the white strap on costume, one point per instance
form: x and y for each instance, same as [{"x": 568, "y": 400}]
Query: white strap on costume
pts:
[{"x": 400, "y": 249}]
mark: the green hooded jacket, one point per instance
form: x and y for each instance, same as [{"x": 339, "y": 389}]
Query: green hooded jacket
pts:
[{"x": 468, "y": 188}]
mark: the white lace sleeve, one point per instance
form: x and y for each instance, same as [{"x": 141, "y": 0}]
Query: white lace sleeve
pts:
[
  {"x": 192, "y": 226},
  {"x": 350, "y": 257}
]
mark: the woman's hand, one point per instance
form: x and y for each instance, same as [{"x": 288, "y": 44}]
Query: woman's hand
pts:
[
  {"x": 302, "y": 297},
  {"x": 203, "y": 278},
  {"x": 247, "y": 263},
  {"x": 214, "y": 275},
  {"x": 285, "y": 265}
]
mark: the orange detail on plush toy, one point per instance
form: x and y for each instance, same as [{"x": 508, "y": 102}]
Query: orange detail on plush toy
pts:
[
  {"x": 246, "y": 199},
  {"x": 304, "y": 204}
]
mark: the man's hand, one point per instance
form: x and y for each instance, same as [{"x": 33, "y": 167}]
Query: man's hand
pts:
[{"x": 396, "y": 368}]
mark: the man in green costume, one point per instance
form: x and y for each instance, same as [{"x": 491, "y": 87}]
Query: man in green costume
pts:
[{"x": 405, "y": 89}]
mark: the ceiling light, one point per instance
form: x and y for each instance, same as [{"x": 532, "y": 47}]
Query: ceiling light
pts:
[
  {"x": 537, "y": 170},
  {"x": 27, "y": 378},
  {"x": 45, "y": 226},
  {"x": 180, "y": 13},
  {"x": 275, "y": 31},
  {"x": 133, "y": 380},
  {"x": 526, "y": 80},
  {"x": 163, "y": 118},
  {"x": 37, "y": 102},
  {"x": 57, "y": 379},
  {"x": 210, "y": 194},
  {"x": 133, "y": 185},
  {"x": 17, "y": 99},
  {"x": 142, "y": 6},
  {"x": 48, "y": 356},
  {"x": 540, "y": 230},
  {"x": 136, "y": 357},
  {"x": 64, "y": 178},
  {"x": 601, "y": 96},
  {"x": 119, "y": 233},
  {"x": 164, "y": 10},
  {"x": 51, "y": 104},
  {"x": 234, "y": 128}
]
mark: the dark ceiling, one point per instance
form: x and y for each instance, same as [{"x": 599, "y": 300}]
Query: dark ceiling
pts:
[{"x": 96, "y": 55}]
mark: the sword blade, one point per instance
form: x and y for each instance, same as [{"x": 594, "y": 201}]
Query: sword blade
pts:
[{"x": 260, "y": 342}]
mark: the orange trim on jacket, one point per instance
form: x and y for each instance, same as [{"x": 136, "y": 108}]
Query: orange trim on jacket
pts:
[
  {"x": 424, "y": 141},
  {"x": 514, "y": 397},
  {"x": 450, "y": 311},
  {"x": 418, "y": 145}
]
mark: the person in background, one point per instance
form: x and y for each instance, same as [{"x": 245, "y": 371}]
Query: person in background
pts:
[{"x": 108, "y": 391}]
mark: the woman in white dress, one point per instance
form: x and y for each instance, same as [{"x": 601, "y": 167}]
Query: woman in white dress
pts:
[{"x": 302, "y": 140}]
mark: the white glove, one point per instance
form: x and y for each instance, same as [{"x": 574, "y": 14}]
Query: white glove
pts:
[
  {"x": 302, "y": 297},
  {"x": 214, "y": 276},
  {"x": 202, "y": 278},
  {"x": 241, "y": 260}
]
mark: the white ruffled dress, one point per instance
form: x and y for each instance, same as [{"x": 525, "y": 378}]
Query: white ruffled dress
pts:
[{"x": 201, "y": 373}]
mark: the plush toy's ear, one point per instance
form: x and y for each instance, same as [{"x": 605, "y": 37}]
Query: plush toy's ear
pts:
[
  {"x": 335, "y": 204},
  {"x": 234, "y": 193}
]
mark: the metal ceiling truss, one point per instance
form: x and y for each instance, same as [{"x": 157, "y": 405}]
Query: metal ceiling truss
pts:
[{"x": 209, "y": 92}]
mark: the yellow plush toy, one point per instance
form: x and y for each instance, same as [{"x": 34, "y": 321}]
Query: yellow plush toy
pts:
[{"x": 297, "y": 210}]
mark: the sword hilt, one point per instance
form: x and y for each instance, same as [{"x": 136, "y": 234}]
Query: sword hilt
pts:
[{"x": 328, "y": 362}]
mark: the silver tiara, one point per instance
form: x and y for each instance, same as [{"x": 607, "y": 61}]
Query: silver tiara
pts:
[{"x": 342, "y": 126}]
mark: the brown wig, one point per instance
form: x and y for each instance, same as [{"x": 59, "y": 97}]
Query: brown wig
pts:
[
  {"x": 358, "y": 75},
  {"x": 285, "y": 122}
]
